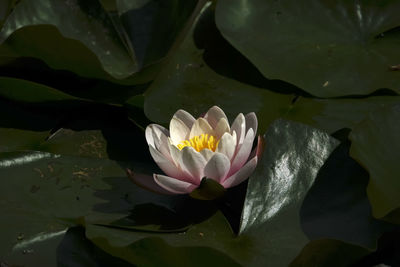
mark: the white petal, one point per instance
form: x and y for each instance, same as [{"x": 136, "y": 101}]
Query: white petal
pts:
[
  {"x": 206, "y": 153},
  {"x": 175, "y": 153},
  {"x": 185, "y": 117},
  {"x": 218, "y": 167},
  {"x": 213, "y": 116},
  {"x": 157, "y": 137},
  {"x": 251, "y": 122},
  {"x": 178, "y": 131},
  {"x": 153, "y": 133},
  {"x": 173, "y": 185},
  {"x": 193, "y": 163},
  {"x": 200, "y": 126},
  {"x": 227, "y": 145},
  {"x": 221, "y": 128},
  {"x": 239, "y": 126},
  {"x": 165, "y": 164},
  {"x": 242, "y": 174},
  {"x": 244, "y": 152}
]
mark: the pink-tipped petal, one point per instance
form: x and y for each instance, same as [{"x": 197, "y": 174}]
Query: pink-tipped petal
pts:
[
  {"x": 242, "y": 174},
  {"x": 221, "y": 128},
  {"x": 199, "y": 127},
  {"x": 251, "y": 122},
  {"x": 165, "y": 164},
  {"x": 244, "y": 152},
  {"x": 213, "y": 115},
  {"x": 157, "y": 137},
  {"x": 185, "y": 117},
  {"x": 218, "y": 167},
  {"x": 173, "y": 185},
  {"x": 227, "y": 145},
  {"x": 146, "y": 182},
  {"x": 193, "y": 163},
  {"x": 178, "y": 131},
  {"x": 239, "y": 126},
  {"x": 206, "y": 153}
]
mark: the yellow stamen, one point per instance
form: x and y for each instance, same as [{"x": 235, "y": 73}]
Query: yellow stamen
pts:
[{"x": 200, "y": 142}]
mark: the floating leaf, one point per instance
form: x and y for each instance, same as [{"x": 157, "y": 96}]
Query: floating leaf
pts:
[
  {"x": 43, "y": 193},
  {"x": 195, "y": 79},
  {"x": 375, "y": 144},
  {"x": 30, "y": 92},
  {"x": 337, "y": 205},
  {"x": 87, "y": 22},
  {"x": 270, "y": 226},
  {"x": 327, "y": 48}
]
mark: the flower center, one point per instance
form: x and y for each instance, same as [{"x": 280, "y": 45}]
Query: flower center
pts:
[{"x": 200, "y": 142}]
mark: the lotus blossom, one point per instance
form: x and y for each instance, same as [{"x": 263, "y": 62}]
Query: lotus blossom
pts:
[{"x": 206, "y": 147}]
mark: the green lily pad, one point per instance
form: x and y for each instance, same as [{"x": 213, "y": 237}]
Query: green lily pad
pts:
[
  {"x": 87, "y": 22},
  {"x": 30, "y": 92},
  {"x": 160, "y": 25},
  {"x": 376, "y": 146},
  {"x": 192, "y": 81},
  {"x": 332, "y": 115},
  {"x": 189, "y": 83},
  {"x": 23, "y": 128},
  {"x": 337, "y": 206},
  {"x": 329, "y": 253},
  {"x": 327, "y": 48},
  {"x": 76, "y": 250},
  {"x": 43, "y": 193},
  {"x": 270, "y": 225}
]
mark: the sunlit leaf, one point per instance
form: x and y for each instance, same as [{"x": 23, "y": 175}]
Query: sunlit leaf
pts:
[
  {"x": 327, "y": 48},
  {"x": 270, "y": 225}
]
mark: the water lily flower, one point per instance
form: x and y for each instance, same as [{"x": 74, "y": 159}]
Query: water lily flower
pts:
[{"x": 207, "y": 147}]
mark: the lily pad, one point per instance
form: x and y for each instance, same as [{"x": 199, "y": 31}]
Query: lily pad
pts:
[
  {"x": 337, "y": 206},
  {"x": 375, "y": 144},
  {"x": 192, "y": 81},
  {"x": 189, "y": 83},
  {"x": 43, "y": 193},
  {"x": 76, "y": 250},
  {"x": 327, "y": 48},
  {"x": 87, "y": 22},
  {"x": 30, "y": 92},
  {"x": 270, "y": 225},
  {"x": 332, "y": 115},
  {"x": 160, "y": 25}
]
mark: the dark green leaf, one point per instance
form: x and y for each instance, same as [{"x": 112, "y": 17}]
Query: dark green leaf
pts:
[
  {"x": 376, "y": 145},
  {"x": 30, "y": 92},
  {"x": 196, "y": 78},
  {"x": 87, "y": 23},
  {"x": 334, "y": 114},
  {"x": 337, "y": 205},
  {"x": 77, "y": 251},
  {"x": 270, "y": 226},
  {"x": 160, "y": 23},
  {"x": 43, "y": 193},
  {"x": 327, "y": 48},
  {"x": 208, "y": 190},
  {"x": 329, "y": 253}
]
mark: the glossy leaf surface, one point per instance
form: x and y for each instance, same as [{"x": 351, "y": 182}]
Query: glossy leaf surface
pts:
[
  {"x": 270, "y": 230},
  {"x": 87, "y": 22},
  {"x": 327, "y": 48}
]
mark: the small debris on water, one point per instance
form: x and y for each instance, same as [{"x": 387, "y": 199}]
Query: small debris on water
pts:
[
  {"x": 20, "y": 236},
  {"x": 395, "y": 67},
  {"x": 27, "y": 251}
]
